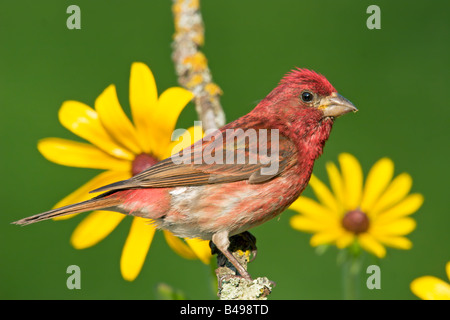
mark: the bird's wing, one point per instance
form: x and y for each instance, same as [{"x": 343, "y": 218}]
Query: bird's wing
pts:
[{"x": 216, "y": 159}]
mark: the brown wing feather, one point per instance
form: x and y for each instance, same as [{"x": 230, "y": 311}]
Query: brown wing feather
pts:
[{"x": 198, "y": 169}]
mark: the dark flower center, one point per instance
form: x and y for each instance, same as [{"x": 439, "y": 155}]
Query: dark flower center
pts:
[
  {"x": 356, "y": 221},
  {"x": 141, "y": 162}
]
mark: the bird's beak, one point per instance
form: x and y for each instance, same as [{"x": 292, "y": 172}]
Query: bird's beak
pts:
[{"x": 336, "y": 105}]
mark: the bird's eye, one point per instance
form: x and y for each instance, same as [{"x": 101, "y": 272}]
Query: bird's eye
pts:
[{"x": 307, "y": 96}]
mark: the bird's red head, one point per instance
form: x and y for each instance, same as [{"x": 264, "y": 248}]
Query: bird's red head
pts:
[
  {"x": 303, "y": 90},
  {"x": 304, "y": 79}
]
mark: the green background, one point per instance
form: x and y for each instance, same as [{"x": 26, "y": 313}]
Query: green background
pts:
[{"x": 398, "y": 77}]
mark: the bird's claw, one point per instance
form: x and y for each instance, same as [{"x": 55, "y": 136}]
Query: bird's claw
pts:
[{"x": 244, "y": 241}]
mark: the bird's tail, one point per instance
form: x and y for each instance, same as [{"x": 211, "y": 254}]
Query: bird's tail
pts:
[{"x": 101, "y": 202}]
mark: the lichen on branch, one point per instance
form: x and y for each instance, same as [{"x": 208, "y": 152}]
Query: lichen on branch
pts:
[
  {"x": 193, "y": 73},
  {"x": 191, "y": 64}
]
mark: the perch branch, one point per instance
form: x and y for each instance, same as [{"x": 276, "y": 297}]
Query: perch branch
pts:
[
  {"x": 193, "y": 73},
  {"x": 191, "y": 64},
  {"x": 231, "y": 287}
]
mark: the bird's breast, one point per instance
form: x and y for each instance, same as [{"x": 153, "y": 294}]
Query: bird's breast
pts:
[{"x": 201, "y": 211}]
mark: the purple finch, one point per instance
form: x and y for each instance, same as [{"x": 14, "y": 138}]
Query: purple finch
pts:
[{"x": 204, "y": 192}]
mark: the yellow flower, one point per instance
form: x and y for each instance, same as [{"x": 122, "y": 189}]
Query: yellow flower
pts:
[
  {"x": 432, "y": 288},
  {"x": 123, "y": 149},
  {"x": 373, "y": 215}
]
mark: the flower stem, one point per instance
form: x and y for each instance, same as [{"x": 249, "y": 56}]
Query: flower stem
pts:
[
  {"x": 351, "y": 273},
  {"x": 351, "y": 278}
]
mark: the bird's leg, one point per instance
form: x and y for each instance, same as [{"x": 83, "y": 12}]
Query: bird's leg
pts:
[
  {"x": 232, "y": 259},
  {"x": 222, "y": 242}
]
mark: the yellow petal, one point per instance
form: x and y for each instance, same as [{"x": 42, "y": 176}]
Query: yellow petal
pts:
[
  {"x": 165, "y": 116},
  {"x": 345, "y": 240},
  {"x": 336, "y": 183},
  {"x": 314, "y": 211},
  {"x": 143, "y": 102},
  {"x": 94, "y": 228},
  {"x": 305, "y": 224},
  {"x": 183, "y": 141},
  {"x": 396, "y": 191},
  {"x": 447, "y": 270},
  {"x": 136, "y": 248},
  {"x": 84, "y": 122},
  {"x": 399, "y": 227},
  {"x": 324, "y": 195},
  {"x": 430, "y": 288},
  {"x": 326, "y": 237},
  {"x": 377, "y": 180},
  {"x": 353, "y": 180},
  {"x": 395, "y": 242},
  {"x": 407, "y": 206},
  {"x": 370, "y": 244},
  {"x": 177, "y": 245},
  {"x": 170, "y": 104},
  {"x": 201, "y": 249},
  {"x": 77, "y": 154},
  {"x": 115, "y": 121},
  {"x": 82, "y": 193}
]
